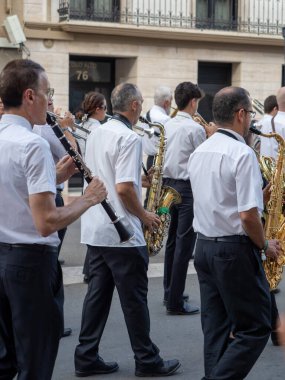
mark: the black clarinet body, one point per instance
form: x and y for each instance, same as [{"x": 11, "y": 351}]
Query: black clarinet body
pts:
[{"x": 123, "y": 232}]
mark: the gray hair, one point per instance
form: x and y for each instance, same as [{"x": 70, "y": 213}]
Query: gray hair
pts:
[
  {"x": 123, "y": 95},
  {"x": 161, "y": 94}
]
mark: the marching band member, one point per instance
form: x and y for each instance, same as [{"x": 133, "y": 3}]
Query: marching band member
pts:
[
  {"x": 31, "y": 302},
  {"x": 276, "y": 123},
  {"x": 228, "y": 201},
  {"x": 159, "y": 113},
  {"x": 94, "y": 108},
  {"x": 115, "y": 151},
  {"x": 183, "y": 136}
]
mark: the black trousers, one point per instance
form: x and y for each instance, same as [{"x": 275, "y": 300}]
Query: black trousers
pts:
[
  {"x": 125, "y": 268},
  {"x": 180, "y": 244},
  {"x": 235, "y": 298},
  {"x": 31, "y": 312}
]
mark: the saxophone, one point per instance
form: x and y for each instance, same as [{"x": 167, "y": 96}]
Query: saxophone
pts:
[
  {"x": 160, "y": 198},
  {"x": 274, "y": 218}
]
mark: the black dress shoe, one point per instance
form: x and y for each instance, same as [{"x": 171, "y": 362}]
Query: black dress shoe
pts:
[
  {"x": 166, "y": 368},
  {"x": 100, "y": 367},
  {"x": 276, "y": 291},
  {"x": 185, "y": 297},
  {"x": 66, "y": 332},
  {"x": 186, "y": 309},
  {"x": 274, "y": 338},
  {"x": 85, "y": 279}
]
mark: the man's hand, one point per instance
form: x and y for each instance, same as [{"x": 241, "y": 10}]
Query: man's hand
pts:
[
  {"x": 65, "y": 168},
  {"x": 266, "y": 193},
  {"x": 274, "y": 249},
  {"x": 67, "y": 120},
  {"x": 151, "y": 220},
  {"x": 96, "y": 191},
  {"x": 146, "y": 180}
]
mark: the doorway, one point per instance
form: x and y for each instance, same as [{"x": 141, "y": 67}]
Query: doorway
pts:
[{"x": 212, "y": 77}]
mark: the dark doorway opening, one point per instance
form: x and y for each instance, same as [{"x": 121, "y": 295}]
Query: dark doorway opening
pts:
[
  {"x": 212, "y": 77},
  {"x": 89, "y": 74}
]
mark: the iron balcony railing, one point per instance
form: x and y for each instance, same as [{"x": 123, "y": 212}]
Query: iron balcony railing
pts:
[{"x": 247, "y": 16}]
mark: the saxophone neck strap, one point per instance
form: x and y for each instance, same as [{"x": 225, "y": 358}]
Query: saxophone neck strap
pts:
[
  {"x": 229, "y": 134},
  {"x": 147, "y": 116},
  {"x": 122, "y": 119}
]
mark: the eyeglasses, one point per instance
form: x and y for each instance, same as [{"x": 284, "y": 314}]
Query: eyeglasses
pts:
[
  {"x": 252, "y": 113},
  {"x": 103, "y": 107},
  {"x": 50, "y": 93}
]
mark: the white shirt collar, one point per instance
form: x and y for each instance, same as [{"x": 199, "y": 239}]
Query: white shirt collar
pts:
[
  {"x": 16, "y": 119},
  {"x": 237, "y": 135},
  {"x": 184, "y": 114},
  {"x": 158, "y": 108}
]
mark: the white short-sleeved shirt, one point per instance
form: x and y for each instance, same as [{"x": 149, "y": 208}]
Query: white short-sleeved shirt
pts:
[
  {"x": 157, "y": 115},
  {"x": 57, "y": 149},
  {"x": 183, "y": 135},
  {"x": 269, "y": 146},
  {"x": 114, "y": 154},
  {"x": 26, "y": 168},
  {"x": 226, "y": 180},
  {"x": 90, "y": 125}
]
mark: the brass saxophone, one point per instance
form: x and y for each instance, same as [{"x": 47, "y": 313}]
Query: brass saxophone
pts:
[
  {"x": 274, "y": 218},
  {"x": 160, "y": 198}
]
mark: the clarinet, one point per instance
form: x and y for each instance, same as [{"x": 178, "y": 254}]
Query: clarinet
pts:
[{"x": 124, "y": 234}]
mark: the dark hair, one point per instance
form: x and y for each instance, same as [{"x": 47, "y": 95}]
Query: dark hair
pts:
[
  {"x": 123, "y": 95},
  {"x": 269, "y": 103},
  {"x": 92, "y": 100},
  {"x": 185, "y": 92},
  {"x": 227, "y": 101},
  {"x": 17, "y": 76}
]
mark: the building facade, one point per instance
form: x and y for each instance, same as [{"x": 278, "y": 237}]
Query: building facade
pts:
[{"x": 95, "y": 44}]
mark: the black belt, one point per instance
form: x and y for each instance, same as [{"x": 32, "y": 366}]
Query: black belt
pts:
[
  {"x": 171, "y": 180},
  {"x": 39, "y": 247},
  {"x": 225, "y": 239}
]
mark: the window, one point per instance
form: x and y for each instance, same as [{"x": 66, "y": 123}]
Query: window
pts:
[
  {"x": 216, "y": 14},
  {"x": 94, "y": 10}
]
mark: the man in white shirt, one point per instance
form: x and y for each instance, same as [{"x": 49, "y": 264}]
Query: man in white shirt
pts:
[
  {"x": 115, "y": 151},
  {"x": 159, "y": 113},
  {"x": 183, "y": 135},
  {"x": 228, "y": 202},
  {"x": 269, "y": 146},
  {"x": 31, "y": 302}
]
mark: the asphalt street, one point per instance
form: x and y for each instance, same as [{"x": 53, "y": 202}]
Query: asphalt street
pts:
[{"x": 177, "y": 336}]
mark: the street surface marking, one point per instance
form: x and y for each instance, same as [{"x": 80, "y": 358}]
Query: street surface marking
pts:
[{"x": 73, "y": 275}]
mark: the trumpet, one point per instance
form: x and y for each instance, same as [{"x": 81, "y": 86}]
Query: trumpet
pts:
[{"x": 74, "y": 125}]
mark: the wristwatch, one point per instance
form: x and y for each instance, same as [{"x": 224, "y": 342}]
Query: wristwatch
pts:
[{"x": 263, "y": 250}]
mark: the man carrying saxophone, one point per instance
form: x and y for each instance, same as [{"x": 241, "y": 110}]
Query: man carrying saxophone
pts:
[
  {"x": 183, "y": 135},
  {"x": 115, "y": 151},
  {"x": 231, "y": 244}
]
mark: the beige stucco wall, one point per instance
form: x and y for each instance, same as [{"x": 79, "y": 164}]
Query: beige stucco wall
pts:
[{"x": 150, "y": 63}]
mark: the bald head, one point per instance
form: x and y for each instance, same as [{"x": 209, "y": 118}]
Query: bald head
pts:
[
  {"x": 227, "y": 101},
  {"x": 281, "y": 99}
]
